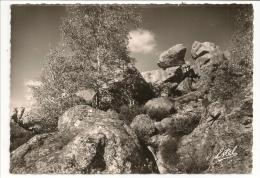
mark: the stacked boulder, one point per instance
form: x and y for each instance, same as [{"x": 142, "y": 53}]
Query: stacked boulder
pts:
[
  {"x": 173, "y": 113},
  {"x": 186, "y": 133},
  {"x": 163, "y": 126},
  {"x": 206, "y": 58},
  {"x": 172, "y": 72},
  {"x": 172, "y": 57}
]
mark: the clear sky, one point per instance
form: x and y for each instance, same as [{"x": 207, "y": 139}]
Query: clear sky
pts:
[{"x": 34, "y": 29}]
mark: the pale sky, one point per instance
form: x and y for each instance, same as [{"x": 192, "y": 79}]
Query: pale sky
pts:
[{"x": 34, "y": 29}]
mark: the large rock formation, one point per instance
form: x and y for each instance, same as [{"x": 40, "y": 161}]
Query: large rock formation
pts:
[
  {"x": 220, "y": 144},
  {"x": 179, "y": 123},
  {"x": 159, "y": 108},
  {"x": 165, "y": 81},
  {"x": 199, "y": 49},
  {"x": 172, "y": 57},
  {"x": 165, "y": 135},
  {"x": 88, "y": 141},
  {"x": 186, "y": 131},
  {"x": 203, "y": 136},
  {"x": 207, "y": 57},
  {"x": 129, "y": 88},
  {"x": 144, "y": 127},
  {"x": 172, "y": 74}
]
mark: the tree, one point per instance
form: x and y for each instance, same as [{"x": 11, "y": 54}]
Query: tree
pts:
[
  {"x": 99, "y": 35},
  {"x": 92, "y": 50}
]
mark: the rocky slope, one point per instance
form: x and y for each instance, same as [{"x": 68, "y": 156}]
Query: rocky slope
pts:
[
  {"x": 182, "y": 129},
  {"x": 88, "y": 140}
]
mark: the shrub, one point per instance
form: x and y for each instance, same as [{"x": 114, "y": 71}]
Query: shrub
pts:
[
  {"x": 233, "y": 76},
  {"x": 93, "y": 46}
]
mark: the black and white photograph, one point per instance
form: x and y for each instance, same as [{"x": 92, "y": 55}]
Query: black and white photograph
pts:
[{"x": 130, "y": 88}]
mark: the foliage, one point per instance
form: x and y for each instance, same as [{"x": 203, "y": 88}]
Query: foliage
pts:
[
  {"x": 233, "y": 76},
  {"x": 93, "y": 47},
  {"x": 99, "y": 35}
]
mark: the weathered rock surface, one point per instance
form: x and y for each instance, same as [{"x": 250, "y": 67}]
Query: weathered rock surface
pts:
[
  {"x": 89, "y": 96},
  {"x": 199, "y": 49},
  {"x": 88, "y": 141},
  {"x": 172, "y": 74},
  {"x": 179, "y": 123},
  {"x": 166, "y": 89},
  {"x": 129, "y": 88},
  {"x": 225, "y": 132},
  {"x": 169, "y": 131},
  {"x": 144, "y": 127},
  {"x": 197, "y": 139},
  {"x": 159, "y": 108},
  {"x": 207, "y": 58},
  {"x": 207, "y": 55},
  {"x": 173, "y": 81},
  {"x": 205, "y": 148},
  {"x": 185, "y": 86},
  {"x": 172, "y": 57}
]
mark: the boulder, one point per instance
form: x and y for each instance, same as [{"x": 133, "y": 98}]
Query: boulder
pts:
[
  {"x": 165, "y": 152},
  {"x": 159, "y": 76},
  {"x": 169, "y": 132},
  {"x": 179, "y": 124},
  {"x": 199, "y": 49},
  {"x": 144, "y": 127},
  {"x": 89, "y": 95},
  {"x": 159, "y": 108},
  {"x": 206, "y": 54},
  {"x": 167, "y": 89},
  {"x": 212, "y": 138},
  {"x": 172, "y": 57},
  {"x": 207, "y": 59},
  {"x": 203, "y": 148},
  {"x": 192, "y": 99},
  {"x": 227, "y": 55},
  {"x": 185, "y": 86},
  {"x": 173, "y": 81},
  {"x": 128, "y": 88},
  {"x": 76, "y": 119},
  {"x": 88, "y": 141}
]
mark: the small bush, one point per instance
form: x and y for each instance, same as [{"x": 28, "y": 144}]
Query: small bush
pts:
[{"x": 234, "y": 75}]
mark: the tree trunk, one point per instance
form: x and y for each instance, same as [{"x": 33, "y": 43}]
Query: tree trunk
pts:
[{"x": 98, "y": 59}]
